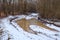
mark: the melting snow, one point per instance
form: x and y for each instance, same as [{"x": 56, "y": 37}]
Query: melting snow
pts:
[{"x": 17, "y": 33}]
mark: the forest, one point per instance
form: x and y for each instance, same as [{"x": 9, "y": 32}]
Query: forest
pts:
[
  {"x": 29, "y": 19},
  {"x": 45, "y": 8}
]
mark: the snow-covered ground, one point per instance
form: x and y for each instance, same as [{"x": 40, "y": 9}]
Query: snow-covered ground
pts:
[{"x": 12, "y": 31}]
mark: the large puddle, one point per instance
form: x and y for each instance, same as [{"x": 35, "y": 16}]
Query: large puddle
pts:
[{"x": 24, "y": 24}]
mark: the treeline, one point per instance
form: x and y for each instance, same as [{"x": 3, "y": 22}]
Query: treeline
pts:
[
  {"x": 46, "y": 8},
  {"x": 49, "y": 8}
]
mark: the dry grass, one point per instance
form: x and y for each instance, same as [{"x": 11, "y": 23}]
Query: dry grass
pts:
[{"x": 23, "y": 23}]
